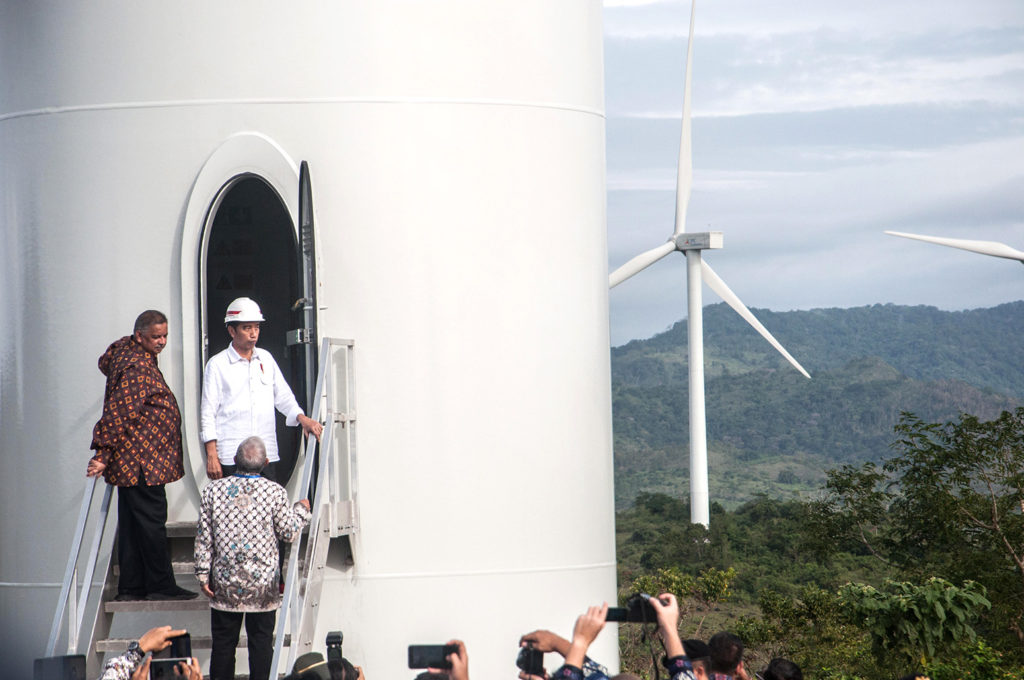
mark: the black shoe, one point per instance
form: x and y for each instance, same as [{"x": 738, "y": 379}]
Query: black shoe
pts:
[
  {"x": 177, "y": 594},
  {"x": 129, "y": 597}
]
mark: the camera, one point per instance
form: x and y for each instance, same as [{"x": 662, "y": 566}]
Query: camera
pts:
[
  {"x": 531, "y": 661},
  {"x": 334, "y": 639},
  {"x": 638, "y": 609}
]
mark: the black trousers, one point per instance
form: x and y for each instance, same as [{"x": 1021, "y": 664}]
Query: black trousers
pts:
[
  {"x": 142, "y": 541},
  {"x": 225, "y": 627}
]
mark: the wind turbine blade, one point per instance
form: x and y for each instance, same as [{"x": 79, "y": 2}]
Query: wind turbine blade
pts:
[
  {"x": 684, "y": 173},
  {"x": 716, "y": 284},
  {"x": 984, "y": 247},
  {"x": 639, "y": 263}
]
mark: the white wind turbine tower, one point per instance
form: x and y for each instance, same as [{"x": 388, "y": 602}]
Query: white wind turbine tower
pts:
[
  {"x": 696, "y": 270},
  {"x": 992, "y": 248}
]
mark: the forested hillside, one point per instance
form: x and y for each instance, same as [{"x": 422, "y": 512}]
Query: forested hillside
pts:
[
  {"x": 910, "y": 565},
  {"x": 770, "y": 430}
]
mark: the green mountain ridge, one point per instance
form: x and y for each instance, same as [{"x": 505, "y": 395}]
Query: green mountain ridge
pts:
[{"x": 770, "y": 430}]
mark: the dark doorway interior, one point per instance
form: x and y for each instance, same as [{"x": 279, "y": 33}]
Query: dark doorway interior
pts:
[{"x": 252, "y": 252}]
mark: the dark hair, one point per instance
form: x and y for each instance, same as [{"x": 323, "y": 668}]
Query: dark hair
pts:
[
  {"x": 726, "y": 652},
  {"x": 342, "y": 669},
  {"x": 148, "y": 318},
  {"x": 696, "y": 649},
  {"x": 782, "y": 669}
]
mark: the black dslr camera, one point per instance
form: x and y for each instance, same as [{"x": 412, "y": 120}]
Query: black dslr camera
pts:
[
  {"x": 638, "y": 609},
  {"x": 531, "y": 661}
]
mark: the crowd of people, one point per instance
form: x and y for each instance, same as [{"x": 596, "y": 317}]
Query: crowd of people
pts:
[{"x": 720, "y": 658}]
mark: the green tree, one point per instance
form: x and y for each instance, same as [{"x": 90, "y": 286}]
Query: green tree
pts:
[
  {"x": 812, "y": 630},
  {"x": 922, "y": 623},
  {"x": 948, "y": 504}
]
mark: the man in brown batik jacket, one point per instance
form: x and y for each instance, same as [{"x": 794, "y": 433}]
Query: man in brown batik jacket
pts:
[{"x": 138, "y": 449}]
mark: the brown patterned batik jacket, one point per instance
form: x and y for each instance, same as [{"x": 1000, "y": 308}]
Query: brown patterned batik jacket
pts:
[{"x": 138, "y": 437}]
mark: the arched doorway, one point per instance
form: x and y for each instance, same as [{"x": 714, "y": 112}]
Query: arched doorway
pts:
[{"x": 250, "y": 250}]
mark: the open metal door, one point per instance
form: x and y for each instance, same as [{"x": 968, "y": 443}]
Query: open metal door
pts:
[
  {"x": 307, "y": 254},
  {"x": 305, "y": 337}
]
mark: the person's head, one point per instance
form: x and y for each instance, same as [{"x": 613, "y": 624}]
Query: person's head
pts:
[
  {"x": 342, "y": 669},
  {"x": 150, "y": 331},
  {"x": 697, "y": 652},
  {"x": 310, "y": 666},
  {"x": 915, "y": 676},
  {"x": 243, "y": 320},
  {"x": 782, "y": 669},
  {"x": 251, "y": 456},
  {"x": 726, "y": 652}
]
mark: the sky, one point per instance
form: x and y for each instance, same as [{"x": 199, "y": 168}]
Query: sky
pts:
[{"x": 817, "y": 125}]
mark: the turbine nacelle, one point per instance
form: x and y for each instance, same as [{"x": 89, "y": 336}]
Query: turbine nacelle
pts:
[{"x": 705, "y": 240}]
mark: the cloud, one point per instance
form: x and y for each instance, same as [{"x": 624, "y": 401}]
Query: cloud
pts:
[
  {"x": 795, "y": 240},
  {"x": 738, "y": 75},
  {"x": 817, "y": 125},
  {"x": 670, "y": 18}
]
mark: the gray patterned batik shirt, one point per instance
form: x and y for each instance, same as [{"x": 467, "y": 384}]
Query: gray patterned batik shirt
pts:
[{"x": 241, "y": 519}]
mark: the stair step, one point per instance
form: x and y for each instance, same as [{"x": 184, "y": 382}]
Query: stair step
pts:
[
  {"x": 199, "y": 604},
  {"x": 118, "y": 645},
  {"x": 183, "y": 568},
  {"x": 181, "y": 529},
  {"x": 188, "y": 567}
]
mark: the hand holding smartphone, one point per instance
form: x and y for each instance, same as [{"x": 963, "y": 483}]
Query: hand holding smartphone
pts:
[
  {"x": 164, "y": 664},
  {"x": 431, "y": 656}
]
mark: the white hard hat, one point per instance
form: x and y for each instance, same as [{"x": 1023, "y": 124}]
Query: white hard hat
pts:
[{"x": 243, "y": 309}]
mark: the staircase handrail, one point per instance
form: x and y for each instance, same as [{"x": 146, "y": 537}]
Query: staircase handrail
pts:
[
  {"x": 71, "y": 570},
  {"x": 291, "y": 608}
]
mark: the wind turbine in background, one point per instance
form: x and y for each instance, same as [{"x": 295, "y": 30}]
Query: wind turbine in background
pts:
[
  {"x": 984, "y": 247},
  {"x": 696, "y": 269}
]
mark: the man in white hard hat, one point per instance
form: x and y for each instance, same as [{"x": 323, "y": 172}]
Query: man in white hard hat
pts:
[{"x": 242, "y": 386}]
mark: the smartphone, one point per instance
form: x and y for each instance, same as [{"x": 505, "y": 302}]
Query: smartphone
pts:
[
  {"x": 181, "y": 647},
  {"x": 430, "y": 656},
  {"x": 164, "y": 664},
  {"x": 167, "y": 669}
]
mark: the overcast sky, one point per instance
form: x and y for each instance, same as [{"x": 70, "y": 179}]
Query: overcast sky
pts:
[{"x": 817, "y": 125}]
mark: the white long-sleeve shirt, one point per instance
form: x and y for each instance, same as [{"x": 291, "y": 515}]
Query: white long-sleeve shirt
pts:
[{"x": 239, "y": 398}]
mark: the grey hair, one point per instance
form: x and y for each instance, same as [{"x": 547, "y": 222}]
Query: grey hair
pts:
[{"x": 251, "y": 455}]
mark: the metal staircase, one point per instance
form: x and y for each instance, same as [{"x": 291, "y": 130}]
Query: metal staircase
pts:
[{"x": 330, "y": 466}]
